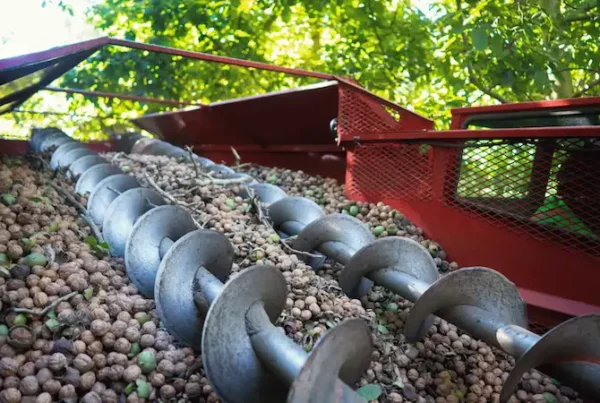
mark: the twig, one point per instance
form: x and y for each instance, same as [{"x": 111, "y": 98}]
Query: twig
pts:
[
  {"x": 255, "y": 201},
  {"x": 217, "y": 181},
  {"x": 95, "y": 230},
  {"x": 42, "y": 312},
  {"x": 83, "y": 212},
  {"x": 588, "y": 87},
  {"x": 168, "y": 196},
  {"x": 236, "y": 156},
  {"x": 191, "y": 155},
  {"x": 43, "y": 161},
  {"x": 69, "y": 197}
]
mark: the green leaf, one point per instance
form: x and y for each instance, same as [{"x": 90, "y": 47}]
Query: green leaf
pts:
[
  {"x": 370, "y": 392},
  {"x": 88, "y": 293},
  {"x": 52, "y": 314},
  {"x": 550, "y": 398},
  {"x": 104, "y": 245},
  {"x": 129, "y": 389},
  {"x": 143, "y": 390},
  {"x": 382, "y": 329},
  {"x": 52, "y": 324},
  {"x": 508, "y": 78},
  {"x": 90, "y": 240},
  {"x": 35, "y": 199},
  {"x": 135, "y": 350},
  {"x": 8, "y": 199},
  {"x": 479, "y": 38}
]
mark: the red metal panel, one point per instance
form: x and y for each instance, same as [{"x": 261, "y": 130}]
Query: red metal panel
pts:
[
  {"x": 53, "y": 53},
  {"x": 290, "y": 117},
  {"x": 465, "y": 134}
]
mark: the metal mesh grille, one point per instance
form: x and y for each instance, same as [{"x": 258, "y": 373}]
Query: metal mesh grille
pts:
[
  {"x": 391, "y": 171},
  {"x": 546, "y": 188},
  {"x": 358, "y": 114}
]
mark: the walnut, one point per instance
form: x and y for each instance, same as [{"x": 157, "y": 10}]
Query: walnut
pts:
[
  {"x": 122, "y": 345},
  {"x": 8, "y": 366},
  {"x": 29, "y": 385},
  {"x": 10, "y": 395},
  {"x": 57, "y": 362},
  {"x": 132, "y": 373},
  {"x": 87, "y": 380}
]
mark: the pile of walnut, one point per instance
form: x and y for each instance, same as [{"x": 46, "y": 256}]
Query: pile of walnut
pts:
[{"x": 103, "y": 341}]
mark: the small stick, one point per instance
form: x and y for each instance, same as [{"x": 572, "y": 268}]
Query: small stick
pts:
[
  {"x": 255, "y": 201},
  {"x": 237, "y": 157},
  {"x": 191, "y": 155},
  {"x": 83, "y": 212},
  {"x": 42, "y": 312}
]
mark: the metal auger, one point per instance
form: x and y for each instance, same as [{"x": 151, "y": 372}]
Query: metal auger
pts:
[
  {"x": 246, "y": 357},
  {"x": 116, "y": 199},
  {"x": 186, "y": 268},
  {"x": 478, "y": 300}
]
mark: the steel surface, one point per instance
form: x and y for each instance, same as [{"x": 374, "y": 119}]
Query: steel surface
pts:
[
  {"x": 94, "y": 175},
  {"x": 235, "y": 371},
  {"x": 142, "y": 257},
  {"x": 340, "y": 228},
  {"x": 177, "y": 282},
  {"x": 475, "y": 286},
  {"x": 58, "y": 156},
  {"x": 107, "y": 190},
  {"x": 84, "y": 163},
  {"x": 73, "y": 155},
  {"x": 335, "y": 353},
  {"x": 266, "y": 193},
  {"x": 122, "y": 214},
  {"x": 392, "y": 253}
]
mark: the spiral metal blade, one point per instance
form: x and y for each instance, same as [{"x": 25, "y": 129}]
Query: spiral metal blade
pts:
[
  {"x": 54, "y": 140},
  {"x": 341, "y": 228},
  {"x": 142, "y": 255},
  {"x": 265, "y": 192},
  {"x": 475, "y": 286},
  {"x": 391, "y": 253},
  {"x": 105, "y": 192},
  {"x": 69, "y": 158},
  {"x": 175, "y": 281},
  {"x": 294, "y": 209},
  {"x": 58, "y": 155},
  {"x": 230, "y": 362},
  {"x": 90, "y": 178},
  {"x": 122, "y": 214},
  {"x": 345, "y": 350},
  {"x": 82, "y": 164},
  {"x": 575, "y": 341}
]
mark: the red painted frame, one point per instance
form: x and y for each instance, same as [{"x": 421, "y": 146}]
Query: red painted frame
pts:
[{"x": 555, "y": 282}]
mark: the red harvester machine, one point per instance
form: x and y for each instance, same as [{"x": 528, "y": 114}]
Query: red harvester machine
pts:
[{"x": 513, "y": 187}]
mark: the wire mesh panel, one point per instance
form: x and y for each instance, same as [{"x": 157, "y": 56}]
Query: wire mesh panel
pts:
[
  {"x": 545, "y": 188},
  {"x": 359, "y": 114},
  {"x": 391, "y": 171}
]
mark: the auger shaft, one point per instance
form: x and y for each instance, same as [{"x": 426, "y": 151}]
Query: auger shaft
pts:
[
  {"x": 512, "y": 339},
  {"x": 284, "y": 357}
]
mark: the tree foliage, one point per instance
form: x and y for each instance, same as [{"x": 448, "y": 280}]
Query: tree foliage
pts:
[{"x": 457, "y": 53}]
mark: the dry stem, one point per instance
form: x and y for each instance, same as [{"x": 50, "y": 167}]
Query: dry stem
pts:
[
  {"x": 255, "y": 201},
  {"x": 42, "y": 312},
  {"x": 83, "y": 212}
]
